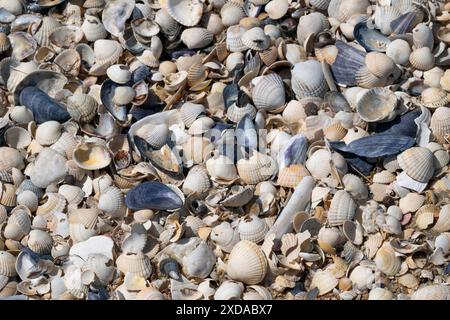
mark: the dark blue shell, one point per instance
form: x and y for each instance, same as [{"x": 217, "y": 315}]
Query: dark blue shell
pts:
[
  {"x": 230, "y": 94},
  {"x": 141, "y": 73},
  {"x": 347, "y": 63},
  {"x": 370, "y": 39},
  {"x": 404, "y": 23},
  {"x": 246, "y": 134},
  {"x": 402, "y": 126},
  {"x": 377, "y": 145},
  {"x": 295, "y": 150},
  {"x": 152, "y": 195},
  {"x": 44, "y": 107},
  {"x": 106, "y": 96}
]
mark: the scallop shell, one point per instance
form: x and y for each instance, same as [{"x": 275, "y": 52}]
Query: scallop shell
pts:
[
  {"x": 196, "y": 38},
  {"x": 432, "y": 292},
  {"x": 434, "y": 98},
  {"x": 417, "y": 163},
  {"x": 324, "y": 281},
  {"x": 19, "y": 223},
  {"x": 443, "y": 222},
  {"x": 82, "y": 107},
  {"x": 268, "y": 92},
  {"x": 91, "y": 156},
  {"x": 225, "y": 236},
  {"x": 186, "y": 12},
  {"x": 387, "y": 262},
  {"x": 253, "y": 229},
  {"x": 197, "y": 181},
  {"x": 40, "y": 241},
  {"x": 247, "y": 263},
  {"x": 259, "y": 167},
  {"x": 17, "y": 137},
  {"x": 138, "y": 264},
  {"x": 7, "y": 264},
  {"x": 422, "y": 59},
  {"x": 111, "y": 201},
  {"x": 377, "y": 104},
  {"x": 342, "y": 208},
  {"x": 308, "y": 80},
  {"x": 440, "y": 123},
  {"x": 48, "y": 133}
]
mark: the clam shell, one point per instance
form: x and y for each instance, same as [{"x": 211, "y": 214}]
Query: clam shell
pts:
[
  {"x": 8, "y": 197},
  {"x": 18, "y": 73},
  {"x": 7, "y": 264},
  {"x": 197, "y": 181},
  {"x": 324, "y": 281},
  {"x": 417, "y": 163},
  {"x": 312, "y": 23},
  {"x": 380, "y": 294},
  {"x": 19, "y": 223},
  {"x": 422, "y": 59},
  {"x": 411, "y": 202},
  {"x": 119, "y": 73},
  {"x": 318, "y": 164},
  {"x": 115, "y": 14},
  {"x": 93, "y": 28},
  {"x": 82, "y": 107},
  {"x": 200, "y": 262},
  {"x": 399, "y": 51},
  {"x": 225, "y": 236},
  {"x": 229, "y": 290},
  {"x": 259, "y": 167},
  {"x": 422, "y": 36},
  {"x": 425, "y": 216},
  {"x": 268, "y": 92},
  {"x": 342, "y": 208},
  {"x": 276, "y": 9},
  {"x": 73, "y": 194},
  {"x": 196, "y": 38},
  {"x": 186, "y": 12},
  {"x": 387, "y": 262},
  {"x": 432, "y": 292},
  {"x": 443, "y": 222},
  {"x": 17, "y": 137},
  {"x": 434, "y": 98},
  {"x": 169, "y": 26},
  {"x": 253, "y": 229},
  {"x": 138, "y": 264},
  {"x": 23, "y": 45},
  {"x": 344, "y": 9},
  {"x": 40, "y": 241},
  {"x": 361, "y": 277},
  {"x": 21, "y": 115},
  {"x": 247, "y": 263},
  {"x": 440, "y": 123},
  {"x": 66, "y": 36},
  {"x": 111, "y": 201},
  {"x": 355, "y": 186},
  {"x": 308, "y": 80},
  {"x": 29, "y": 199},
  {"x": 255, "y": 39},
  {"x": 91, "y": 156},
  {"x": 232, "y": 12},
  {"x": 54, "y": 203},
  {"x": 10, "y": 158},
  {"x": 107, "y": 52},
  {"x": 48, "y": 133},
  {"x": 377, "y": 104}
]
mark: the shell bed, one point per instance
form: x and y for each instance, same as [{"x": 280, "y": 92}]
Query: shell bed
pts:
[{"x": 224, "y": 149}]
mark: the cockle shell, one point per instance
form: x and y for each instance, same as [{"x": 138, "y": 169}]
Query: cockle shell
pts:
[
  {"x": 440, "y": 123},
  {"x": 107, "y": 52},
  {"x": 377, "y": 104},
  {"x": 93, "y": 28},
  {"x": 232, "y": 12},
  {"x": 138, "y": 264},
  {"x": 443, "y": 222},
  {"x": 308, "y": 80},
  {"x": 434, "y": 98},
  {"x": 196, "y": 38},
  {"x": 255, "y": 39},
  {"x": 197, "y": 181},
  {"x": 40, "y": 241},
  {"x": 19, "y": 223},
  {"x": 432, "y": 292},
  {"x": 417, "y": 163},
  {"x": 186, "y": 12},
  {"x": 387, "y": 262},
  {"x": 54, "y": 203},
  {"x": 324, "y": 281},
  {"x": 83, "y": 224},
  {"x": 422, "y": 36},
  {"x": 312, "y": 23},
  {"x": 342, "y": 208},
  {"x": 91, "y": 156},
  {"x": 229, "y": 290},
  {"x": 29, "y": 199},
  {"x": 48, "y": 133},
  {"x": 17, "y": 137},
  {"x": 10, "y": 158},
  {"x": 247, "y": 263},
  {"x": 318, "y": 164},
  {"x": 362, "y": 278},
  {"x": 422, "y": 59},
  {"x": 276, "y": 9},
  {"x": 43, "y": 30},
  {"x": 253, "y": 229},
  {"x": 200, "y": 262},
  {"x": 111, "y": 201},
  {"x": 7, "y": 264},
  {"x": 399, "y": 51},
  {"x": 380, "y": 294},
  {"x": 268, "y": 92},
  {"x": 82, "y": 107},
  {"x": 344, "y": 9},
  {"x": 225, "y": 236},
  {"x": 425, "y": 216},
  {"x": 411, "y": 202},
  {"x": 355, "y": 186},
  {"x": 257, "y": 168},
  {"x": 73, "y": 194}
]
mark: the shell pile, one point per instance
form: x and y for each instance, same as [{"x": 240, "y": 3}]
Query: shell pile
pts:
[{"x": 224, "y": 149}]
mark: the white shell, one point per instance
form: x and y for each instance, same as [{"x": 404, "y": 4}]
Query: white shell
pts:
[
  {"x": 268, "y": 92},
  {"x": 247, "y": 263},
  {"x": 253, "y": 229},
  {"x": 342, "y": 208},
  {"x": 308, "y": 79}
]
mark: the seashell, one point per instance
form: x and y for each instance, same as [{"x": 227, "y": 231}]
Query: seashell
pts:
[
  {"x": 432, "y": 292},
  {"x": 335, "y": 131},
  {"x": 111, "y": 201},
  {"x": 411, "y": 202},
  {"x": 268, "y": 92},
  {"x": 236, "y": 113},
  {"x": 4, "y": 42},
  {"x": 68, "y": 61},
  {"x": 225, "y": 236},
  {"x": 434, "y": 98},
  {"x": 197, "y": 181},
  {"x": 318, "y": 164},
  {"x": 201, "y": 125},
  {"x": 98, "y": 263},
  {"x": 312, "y": 23},
  {"x": 399, "y": 51},
  {"x": 119, "y": 73},
  {"x": 422, "y": 36},
  {"x": 7, "y": 264},
  {"x": 355, "y": 186},
  {"x": 255, "y": 39},
  {"x": 232, "y": 12},
  {"x": 73, "y": 194},
  {"x": 17, "y": 137},
  {"x": 380, "y": 294},
  {"x": 229, "y": 290},
  {"x": 48, "y": 133},
  {"x": 200, "y": 262},
  {"x": 169, "y": 25},
  {"x": 107, "y": 52},
  {"x": 55, "y": 203},
  {"x": 328, "y": 238},
  {"x": 23, "y": 45},
  {"x": 196, "y": 38},
  {"x": 387, "y": 262},
  {"x": 361, "y": 278},
  {"x": 253, "y": 229},
  {"x": 10, "y": 158},
  {"x": 93, "y": 28},
  {"x": 377, "y": 104},
  {"x": 259, "y": 167},
  {"x": 247, "y": 263},
  {"x": 19, "y": 223},
  {"x": 91, "y": 156},
  {"x": 161, "y": 197},
  {"x": 422, "y": 59},
  {"x": 82, "y": 224},
  {"x": 150, "y": 294},
  {"x": 82, "y": 107},
  {"x": 342, "y": 208},
  {"x": 137, "y": 264},
  {"x": 425, "y": 216},
  {"x": 443, "y": 222},
  {"x": 115, "y": 14},
  {"x": 440, "y": 123},
  {"x": 369, "y": 38},
  {"x": 308, "y": 80},
  {"x": 186, "y": 12},
  {"x": 342, "y": 10},
  {"x": 291, "y": 176},
  {"x": 18, "y": 72},
  {"x": 417, "y": 163},
  {"x": 40, "y": 241},
  {"x": 8, "y": 197},
  {"x": 21, "y": 115},
  {"x": 324, "y": 281},
  {"x": 384, "y": 177},
  {"x": 28, "y": 199},
  {"x": 233, "y": 39},
  {"x": 213, "y": 23},
  {"x": 276, "y": 9}
]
